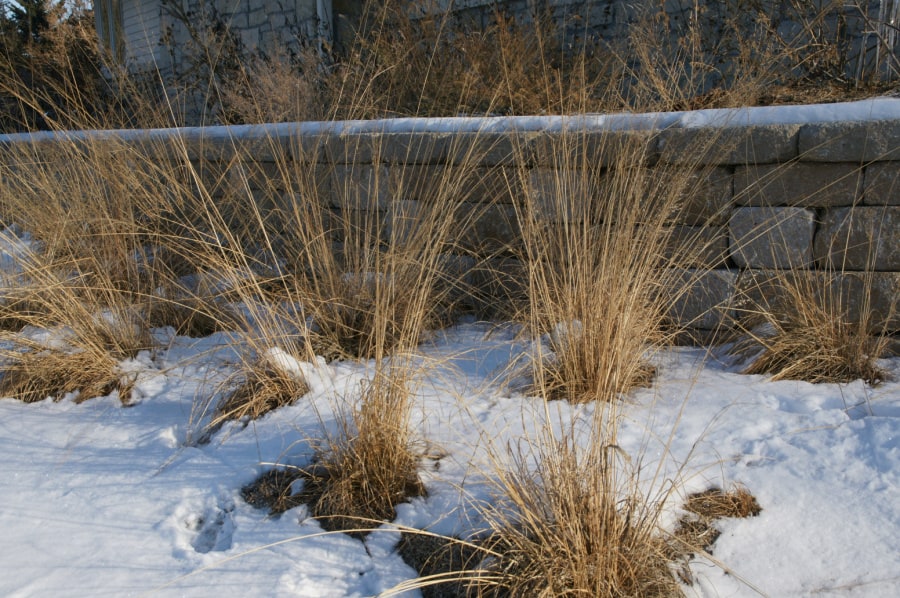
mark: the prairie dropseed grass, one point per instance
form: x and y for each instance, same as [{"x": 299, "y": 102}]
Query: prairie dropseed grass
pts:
[{"x": 807, "y": 332}]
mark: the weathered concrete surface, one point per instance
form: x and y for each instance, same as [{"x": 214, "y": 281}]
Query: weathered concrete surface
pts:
[
  {"x": 861, "y": 238},
  {"x": 800, "y": 184},
  {"x": 729, "y": 146},
  {"x": 360, "y": 186},
  {"x": 858, "y": 142},
  {"x": 830, "y": 210},
  {"x": 705, "y": 196},
  {"x": 591, "y": 149},
  {"x": 882, "y": 186},
  {"x": 490, "y": 229},
  {"x": 697, "y": 246},
  {"x": 870, "y": 298},
  {"x": 455, "y": 183},
  {"x": 771, "y": 237},
  {"x": 702, "y": 298}
]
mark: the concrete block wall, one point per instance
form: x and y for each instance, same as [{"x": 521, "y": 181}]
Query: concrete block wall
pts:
[{"x": 820, "y": 201}]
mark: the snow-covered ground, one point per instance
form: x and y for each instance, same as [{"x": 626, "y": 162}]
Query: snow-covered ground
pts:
[{"x": 104, "y": 500}]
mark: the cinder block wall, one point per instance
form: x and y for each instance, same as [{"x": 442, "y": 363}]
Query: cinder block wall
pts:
[{"x": 821, "y": 200}]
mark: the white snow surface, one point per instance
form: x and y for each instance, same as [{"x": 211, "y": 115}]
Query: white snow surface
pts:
[{"x": 104, "y": 500}]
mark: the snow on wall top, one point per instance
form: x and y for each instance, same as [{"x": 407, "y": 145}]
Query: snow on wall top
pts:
[{"x": 870, "y": 110}]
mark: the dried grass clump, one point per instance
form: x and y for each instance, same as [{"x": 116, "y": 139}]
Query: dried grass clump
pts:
[
  {"x": 808, "y": 335},
  {"x": 196, "y": 318},
  {"x": 360, "y": 477},
  {"x": 444, "y": 564},
  {"x": 19, "y": 308},
  {"x": 39, "y": 373},
  {"x": 573, "y": 525},
  {"x": 601, "y": 272},
  {"x": 376, "y": 314},
  {"x": 715, "y": 503},
  {"x": 263, "y": 387},
  {"x": 696, "y": 531}
]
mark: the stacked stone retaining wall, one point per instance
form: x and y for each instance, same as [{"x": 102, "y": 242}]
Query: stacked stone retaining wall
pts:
[{"x": 819, "y": 200}]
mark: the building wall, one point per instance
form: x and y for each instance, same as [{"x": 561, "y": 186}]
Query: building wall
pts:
[
  {"x": 865, "y": 29},
  {"x": 142, "y": 32},
  {"x": 256, "y": 25}
]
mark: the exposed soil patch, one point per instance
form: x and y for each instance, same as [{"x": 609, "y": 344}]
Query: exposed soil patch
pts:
[
  {"x": 439, "y": 556},
  {"x": 273, "y": 490},
  {"x": 345, "y": 504}
]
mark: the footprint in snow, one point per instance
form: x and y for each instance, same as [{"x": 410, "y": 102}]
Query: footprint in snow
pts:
[{"x": 213, "y": 529}]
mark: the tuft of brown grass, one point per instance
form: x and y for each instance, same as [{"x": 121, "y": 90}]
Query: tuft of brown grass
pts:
[
  {"x": 361, "y": 476},
  {"x": 273, "y": 490},
  {"x": 597, "y": 229},
  {"x": 39, "y": 372},
  {"x": 715, "y": 503},
  {"x": 808, "y": 333},
  {"x": 263, "y": 387},
  {"x": 696, "y": 530},
  {"x": 572, "y": 522}
]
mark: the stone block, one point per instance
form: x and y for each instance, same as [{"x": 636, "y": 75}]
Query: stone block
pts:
[
  {"x": 801, "y": 184},
  {"x": 451, "y": 183},
  {"x": 278, "y": 20},
  {"x": 489, "y": 229},
  {"x": 361, "y": 148},
  {"x": 882, "y": 186},
  {"x": 257, "y": 18},
  {"x": 359, "y": 187},
  {"x": 315, "y": 182},
  {"x": 498, "y": 184},
  {"x": 416, "y": 148},
  {"x": 701, "y": 298},
  {"x": 590, "y": 149},
  {"x": 357, "y": 231},
  {"x": 492, "y": 149},
  {"x": 223, "y": 144},
  {"x": 871, "y": 297},
  {"x": 857, "y": 142},
  {"x": 249, "y": 39},
  {"x": 570, "y": 195},
  {"x": 421, "y": 223},
  {"x": 211, "y": 176},
  {"x": 306, "y": 9},
  {"x": 402, "y": 219},
  {"x": 771, "y": 237},
  {"x": 704, "y": 195},
  {"x": 260, "y": 176},
  {"x": 729, "y": 145},
  {"x": 499, "y": 288},
  {"x": 760, "y": 292},
  {"x": 874, "y": 296},
  {"x": 697, "y": 246},
  {"x": 860, "y": 238},
  {"x": 307, "y": 149},
  {"x": 699, "y": 197}
]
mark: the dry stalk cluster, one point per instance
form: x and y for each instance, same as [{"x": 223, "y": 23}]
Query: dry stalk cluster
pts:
[{"x": 297, "y": 260}]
